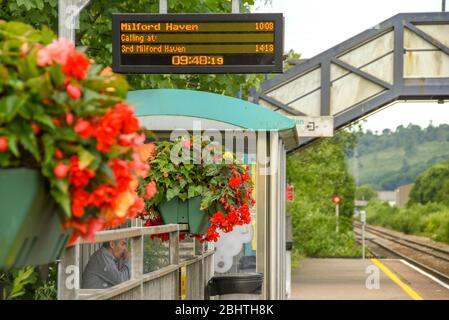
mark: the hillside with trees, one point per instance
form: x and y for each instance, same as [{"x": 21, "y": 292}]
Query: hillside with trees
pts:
[{"x": 392, "y": 158}]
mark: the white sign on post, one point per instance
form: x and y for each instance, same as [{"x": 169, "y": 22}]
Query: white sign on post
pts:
[
  {"x": 363, "y": 216},
  {"x": 317, "y": 126},
  {"x": 363, "y": 220}
]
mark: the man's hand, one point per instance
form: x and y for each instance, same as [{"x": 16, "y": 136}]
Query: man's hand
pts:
[{"x": 125, "y": 255}]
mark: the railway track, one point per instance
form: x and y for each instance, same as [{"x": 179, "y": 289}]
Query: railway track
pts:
[{"x": 432, "y": 258}]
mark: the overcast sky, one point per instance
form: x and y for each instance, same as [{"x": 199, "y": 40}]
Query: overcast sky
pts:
[{"x": 312, "y": 26}]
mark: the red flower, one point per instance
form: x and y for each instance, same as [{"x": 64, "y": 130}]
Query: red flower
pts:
[
  {"x": 58, "y": 154},
  {"x": 117, "y": 121},
  {"x": 87, "y": 229},
  {"x": 69, "y": 118},
  {"x": 67, "y": 81},
  {"x": 234, "y": 182},
  {"x": 79, "y": 201},
  {"x": 217, "y": 217},
  {"x": 232, "y": 218},
  {"x": 151, "y": 190},
  {"x": 103, "y": 195},
  {"x": 212, "y": 234},
  {"x": 56, "y": 121},
  {"x": 105, "y": 139},
  {"x": 122, "y": 173},
  {"x": 130, "y": 122},
  {"x": 246, "y": 176},
  {"x": 73, "y": 91},
  {"x": 61, "y": 170},
  {"x": 136, "y": 208},
  {"x": 3, "y": 144},
  {"x": 84, "y": 128},
  {"x": 79, "y": 177},
  {"x": 76, "y": 65},
  {"x": 35, "y": 128}
]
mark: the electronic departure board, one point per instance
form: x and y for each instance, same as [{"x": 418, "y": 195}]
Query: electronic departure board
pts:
[{"x": 197, "y": 43}]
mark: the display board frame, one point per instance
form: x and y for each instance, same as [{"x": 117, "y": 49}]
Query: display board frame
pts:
[{"x": 275, "y": 67}]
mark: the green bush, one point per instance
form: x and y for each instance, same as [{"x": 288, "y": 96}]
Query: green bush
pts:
[
  {"x": 432, "y": 185},
  {"x": 365, "y": 192},
  {"x": 315, "y": 234},
  {"x": 430, "y": 219},
  {"x": 29, "y": 283},
  {"x": 437, "y": 225}
]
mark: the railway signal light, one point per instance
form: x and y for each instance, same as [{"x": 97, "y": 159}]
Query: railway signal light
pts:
[{"x": 336, "y": 199}]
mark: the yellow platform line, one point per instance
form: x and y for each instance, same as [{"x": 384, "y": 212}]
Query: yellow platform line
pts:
[{"x": 412, "y": 293}]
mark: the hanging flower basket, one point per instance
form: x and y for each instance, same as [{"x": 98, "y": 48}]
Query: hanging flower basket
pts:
[
  {"x": 186, "y": 212},
  {"x": 213, "y": 195},
  {"x": 69, "y": 146},
  {"x": 30, "y": 225}
]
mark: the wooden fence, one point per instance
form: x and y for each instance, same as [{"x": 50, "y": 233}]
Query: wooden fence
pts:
[{"x": 194, "y": 270}]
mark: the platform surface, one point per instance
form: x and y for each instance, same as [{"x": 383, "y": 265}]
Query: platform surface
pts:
[{"x": 355, "y": 279}]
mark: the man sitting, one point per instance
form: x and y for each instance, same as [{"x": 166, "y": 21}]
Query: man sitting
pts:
[{"x": 108, "y": 266}]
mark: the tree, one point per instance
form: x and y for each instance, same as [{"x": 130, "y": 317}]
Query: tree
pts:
[
  {"x": 432, "y": 185},
  {"x": 365, "y": 192},
  {"x": 320, "y": 171}
]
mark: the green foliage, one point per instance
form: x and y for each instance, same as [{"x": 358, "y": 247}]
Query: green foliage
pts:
[
  {"x": 155, "y": 254},
  {"x": 34, "y": 98},
  {"x": 432, "y": 185},
  {"x": 394, "y": 158},
  {"x": 95, "y": 30},
  {"x": 34, "y": 12},
  {"x": 19, "y": 280},
  {"x": 315, "y": 234},
  {"x": 430, "y": 219},
  {"x": 365, "y": 192},
  {"x": 318, "y": 172},
  {"x": 29, "y": 283},
  {"x": 188, "y": 167}
]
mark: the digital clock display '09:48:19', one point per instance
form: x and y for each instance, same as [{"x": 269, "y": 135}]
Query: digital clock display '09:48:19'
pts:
[{"x": 197, "y": 60}]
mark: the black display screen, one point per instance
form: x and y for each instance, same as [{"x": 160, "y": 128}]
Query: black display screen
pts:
[{"x": 197, "y": 43}]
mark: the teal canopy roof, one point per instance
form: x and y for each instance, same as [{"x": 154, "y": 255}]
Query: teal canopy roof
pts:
[{"x": 199, "y": 104}]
